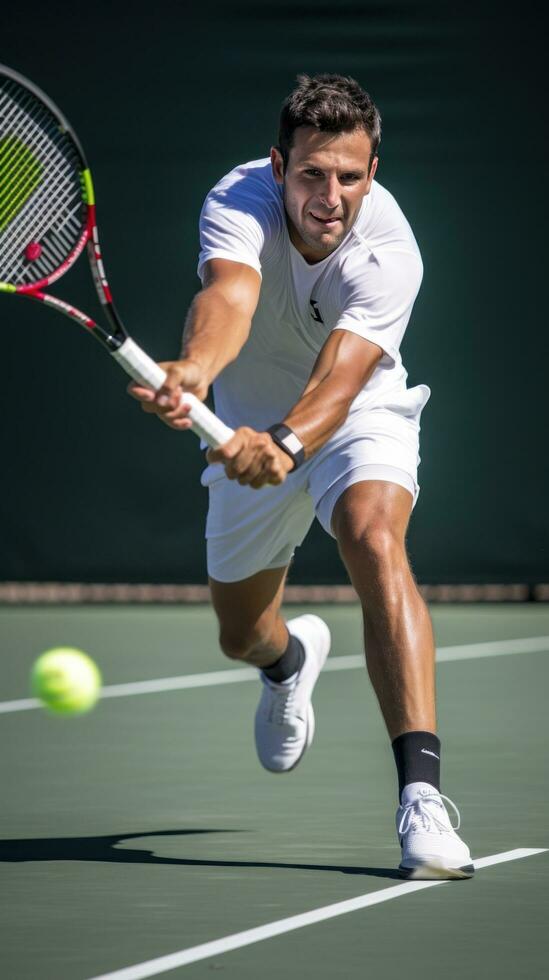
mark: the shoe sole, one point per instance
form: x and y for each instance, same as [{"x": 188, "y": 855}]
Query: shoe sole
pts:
[{"x": 436, "y": 872}]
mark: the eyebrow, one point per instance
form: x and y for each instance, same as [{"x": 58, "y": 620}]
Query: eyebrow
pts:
[{"x": 309, "y": 165}]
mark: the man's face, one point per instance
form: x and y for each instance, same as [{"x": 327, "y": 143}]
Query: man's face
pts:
[{"x": 324, "y": 184}]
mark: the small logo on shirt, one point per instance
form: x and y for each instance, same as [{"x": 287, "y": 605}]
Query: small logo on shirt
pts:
[
  {"x": 315, "y": 311},
  {"x": 428, "y": 752}
]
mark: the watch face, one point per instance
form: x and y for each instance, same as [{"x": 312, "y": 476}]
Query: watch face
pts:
[{"x": 292, "y": 443}]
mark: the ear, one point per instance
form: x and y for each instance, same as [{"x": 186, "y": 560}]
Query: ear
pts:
[
  {"x": 373, "y": 168},
  {"x": 277, "y": 163}
]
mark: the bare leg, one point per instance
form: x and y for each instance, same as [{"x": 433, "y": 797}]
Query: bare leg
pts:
[
  {"x": 370, "y": 521},
  {"x": 251, "y": 627}
]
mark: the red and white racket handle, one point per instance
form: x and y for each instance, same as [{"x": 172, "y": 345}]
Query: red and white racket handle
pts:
[{"x": 142, "y": 368}]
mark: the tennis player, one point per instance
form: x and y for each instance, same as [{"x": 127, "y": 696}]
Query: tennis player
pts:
[{"x": 309, "y": 273}]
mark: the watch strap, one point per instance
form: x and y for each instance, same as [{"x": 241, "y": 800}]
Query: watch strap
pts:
[{"x": 287, "y": 440}]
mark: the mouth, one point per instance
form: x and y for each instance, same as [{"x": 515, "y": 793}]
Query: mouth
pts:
[{"x": 325, "y": 222}]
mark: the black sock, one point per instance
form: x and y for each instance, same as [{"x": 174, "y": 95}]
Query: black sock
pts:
[
  {"x": 289, "y": 663},
  {"x": 417, "y": 757}
]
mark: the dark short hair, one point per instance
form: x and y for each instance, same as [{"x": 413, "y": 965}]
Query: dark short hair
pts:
[{"x": 331, "y": 103}]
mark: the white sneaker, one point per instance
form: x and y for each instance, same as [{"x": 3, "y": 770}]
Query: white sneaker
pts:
[
  {"x": 430, "y": 846},
  {"x": 284, "y": 720}
]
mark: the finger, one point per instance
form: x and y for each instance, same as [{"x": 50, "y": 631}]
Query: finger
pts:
[
  {"x": 244, "y": 467},
  {"x": 259, "y": 482},
  {"x": 180, "y": 412},
  {"x": 228, "y": 451},
  {"x": 171, "y": 384},
  {"x": 214, "y": 456},
  {"x": 275, "y": 475},
  {"x": 139, "y": 392},
  {"x": 180, "y": 424},
  {"x": 167, "y": 399},
  {"x": 250, "y": 473},
  {"x": 151, "y": 408},
  {"x": 266, "y": 478}
]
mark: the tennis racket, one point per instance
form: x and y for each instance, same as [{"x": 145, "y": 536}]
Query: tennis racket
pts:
[{"x": 47, "y": 218}]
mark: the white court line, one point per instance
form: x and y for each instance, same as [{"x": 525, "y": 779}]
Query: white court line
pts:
[
  {"x": 472, "y": 651},
  {"x": 162, "y": 964}
]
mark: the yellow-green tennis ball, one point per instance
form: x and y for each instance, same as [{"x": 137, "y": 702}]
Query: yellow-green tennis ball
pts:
[{"x": 66, "y": 681}]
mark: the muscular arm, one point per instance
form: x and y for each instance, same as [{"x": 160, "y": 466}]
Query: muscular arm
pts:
[
  {"x": 216, "y": 329},
  {"x": 343, "y": 367},
  {"x": 220, "y": 316}
]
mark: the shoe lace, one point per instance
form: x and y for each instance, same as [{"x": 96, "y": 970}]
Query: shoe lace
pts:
[
  {"x": 282, "y": 703},
  {"x": 424, "y": 811}
]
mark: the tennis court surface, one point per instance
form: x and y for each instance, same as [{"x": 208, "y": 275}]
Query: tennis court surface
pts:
[{"x": 136, "y": 839}]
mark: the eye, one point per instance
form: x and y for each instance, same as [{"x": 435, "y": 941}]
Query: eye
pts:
[
  {"x": 350, "y": 178},
  {"x": 311, "y": 172}
]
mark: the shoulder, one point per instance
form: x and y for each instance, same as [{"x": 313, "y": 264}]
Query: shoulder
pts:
[
  {"x": 242, "y": 216},
  {"x": 248, "y": 191},
  {"x": 381, "y": 261},
  {"x": 381, "y": 224},
  {"x": 382, "y": 245}
]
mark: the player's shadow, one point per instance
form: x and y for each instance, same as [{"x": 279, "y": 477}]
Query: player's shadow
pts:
[{"x": 105, "y": 849}]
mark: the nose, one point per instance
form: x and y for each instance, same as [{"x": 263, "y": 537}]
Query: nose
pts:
[{"x": 330, "y": 195}]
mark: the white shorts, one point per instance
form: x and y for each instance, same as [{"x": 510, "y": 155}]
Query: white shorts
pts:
[{"x": 251, "y": 530}]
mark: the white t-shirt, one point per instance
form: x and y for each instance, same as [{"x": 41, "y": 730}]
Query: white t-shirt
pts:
[{"x": 367, "y": 285}]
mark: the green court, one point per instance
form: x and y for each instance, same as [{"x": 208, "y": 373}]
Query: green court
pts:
[{"x": 147, "y": 828}]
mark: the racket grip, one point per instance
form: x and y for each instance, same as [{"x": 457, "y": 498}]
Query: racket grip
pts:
[{"x": 142, "y": 368}]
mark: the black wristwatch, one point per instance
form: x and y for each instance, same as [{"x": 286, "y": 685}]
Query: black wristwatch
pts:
[{"x": 287, "y": 440}]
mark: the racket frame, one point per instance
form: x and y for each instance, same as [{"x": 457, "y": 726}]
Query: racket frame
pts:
[{"x": 136, "y": 363}]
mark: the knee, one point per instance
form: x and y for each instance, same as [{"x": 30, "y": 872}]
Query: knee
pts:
[
  {"x": 378, "y": 567},
  {"x": 374, "y": 544},
  {"x": 239, "y": 644},
  {"x": 382, "y": 545}
]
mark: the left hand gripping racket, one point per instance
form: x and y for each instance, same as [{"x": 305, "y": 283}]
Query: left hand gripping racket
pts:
[{"x": 47, "y": 217}]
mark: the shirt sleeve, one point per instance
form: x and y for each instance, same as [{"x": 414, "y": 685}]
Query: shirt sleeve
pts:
[
  {"x": 232, "y": 226},
  {"x": 378, "y": 294}
]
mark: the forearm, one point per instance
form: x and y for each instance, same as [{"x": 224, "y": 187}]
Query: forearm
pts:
[
  {"x": 320, "y": 411},
  {"x": 215, "y": 332},
  {"x": 344, "y": 365},
  {"x": 217, "y": 327}
]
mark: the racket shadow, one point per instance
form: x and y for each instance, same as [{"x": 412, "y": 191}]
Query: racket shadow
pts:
[{"x": 106, "y": 850}]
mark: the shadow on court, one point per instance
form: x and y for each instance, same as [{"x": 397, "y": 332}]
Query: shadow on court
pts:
[{"x": 105, "y": 849}]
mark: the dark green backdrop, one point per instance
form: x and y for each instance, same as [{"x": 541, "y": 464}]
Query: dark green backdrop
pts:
[{"x": 166, "y": 101}]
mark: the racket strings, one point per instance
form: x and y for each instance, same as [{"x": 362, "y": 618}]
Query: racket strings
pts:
[
  {"x": 17, "y": 165},
  {"x": 19, "y": 171},
  {"x": 30, "y": 123},
  {"x": 38, "y": 214},
  {"x": 34, "y": 223},
  {"x": 33, "y": 228},
  {"x": 45, "y": 226},
  {"x": 40, "y": 192}
]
